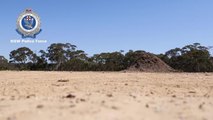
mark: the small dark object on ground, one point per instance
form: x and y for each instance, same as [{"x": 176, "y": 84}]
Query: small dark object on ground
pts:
[
  {"x": 72, "y": 106},
  {"x": 147, "y": 105},
  {"x": 29, "y": 96},
  {"x": 82, "y": 100},
  {"x": 109, "y": 95},
  {"x": 201, "y": 105},
  {"x": 114, "y": 107},
  {"x": 63, "y": 80},
  {"x": 39, "y": 106},
  {"x": 174, "y": 96},
  {"x": 70, "y": 96},
  {"x": 192, "y": 92}
]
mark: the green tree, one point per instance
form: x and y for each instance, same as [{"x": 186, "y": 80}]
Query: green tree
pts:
[
  {"x": 22, "y": 55},
  {"x": 23, "y": 58},
  {"x": 42, "y": 61},
  {"x": 3, "y": 63},
  {"x": 190, "y": 58},
  {"x": 59, "y": 53},
  {"x": 109, "y": 61}
]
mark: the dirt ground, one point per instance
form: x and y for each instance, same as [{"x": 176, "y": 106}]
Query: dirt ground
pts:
[{"x": 105, "y": 96}]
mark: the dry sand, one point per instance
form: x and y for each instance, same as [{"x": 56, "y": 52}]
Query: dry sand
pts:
[{"x": 105, "y": 96}]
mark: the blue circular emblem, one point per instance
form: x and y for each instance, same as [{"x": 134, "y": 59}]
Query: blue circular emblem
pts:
[{"x": 28, "y": 22}]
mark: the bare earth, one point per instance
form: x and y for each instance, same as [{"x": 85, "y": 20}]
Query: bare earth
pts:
[{"x": 105, "y": 96}]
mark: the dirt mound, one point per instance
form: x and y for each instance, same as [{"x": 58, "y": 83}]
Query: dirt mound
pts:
[{"x": 148, "y": 62}]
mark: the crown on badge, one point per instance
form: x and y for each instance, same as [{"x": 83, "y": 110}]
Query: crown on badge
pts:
[{"x": 28, "y": 10}]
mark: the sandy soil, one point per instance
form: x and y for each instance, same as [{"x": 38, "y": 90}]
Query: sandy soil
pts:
[{"x": 105, "y": 96}]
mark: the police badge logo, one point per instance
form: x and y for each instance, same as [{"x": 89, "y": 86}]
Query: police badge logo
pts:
[{"x": 28, "y": 24}]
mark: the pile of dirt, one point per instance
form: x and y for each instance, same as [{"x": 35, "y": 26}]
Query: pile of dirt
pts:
[{"x": 148, "y": 62}]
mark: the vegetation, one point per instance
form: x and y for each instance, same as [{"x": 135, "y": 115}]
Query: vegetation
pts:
[
  {"x": 66, "y": 57},
  {"x": 190, "y": 58},
  {"x": 3, "y": 63}
]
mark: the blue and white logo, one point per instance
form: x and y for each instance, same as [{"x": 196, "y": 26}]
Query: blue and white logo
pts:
[{"x": 28, "y": 24}]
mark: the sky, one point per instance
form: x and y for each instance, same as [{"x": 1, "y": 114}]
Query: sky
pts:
[{"x": 97, "y": 26}]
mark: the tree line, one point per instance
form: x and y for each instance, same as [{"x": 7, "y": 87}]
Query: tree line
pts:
[{"x": 66, "y": 57}]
